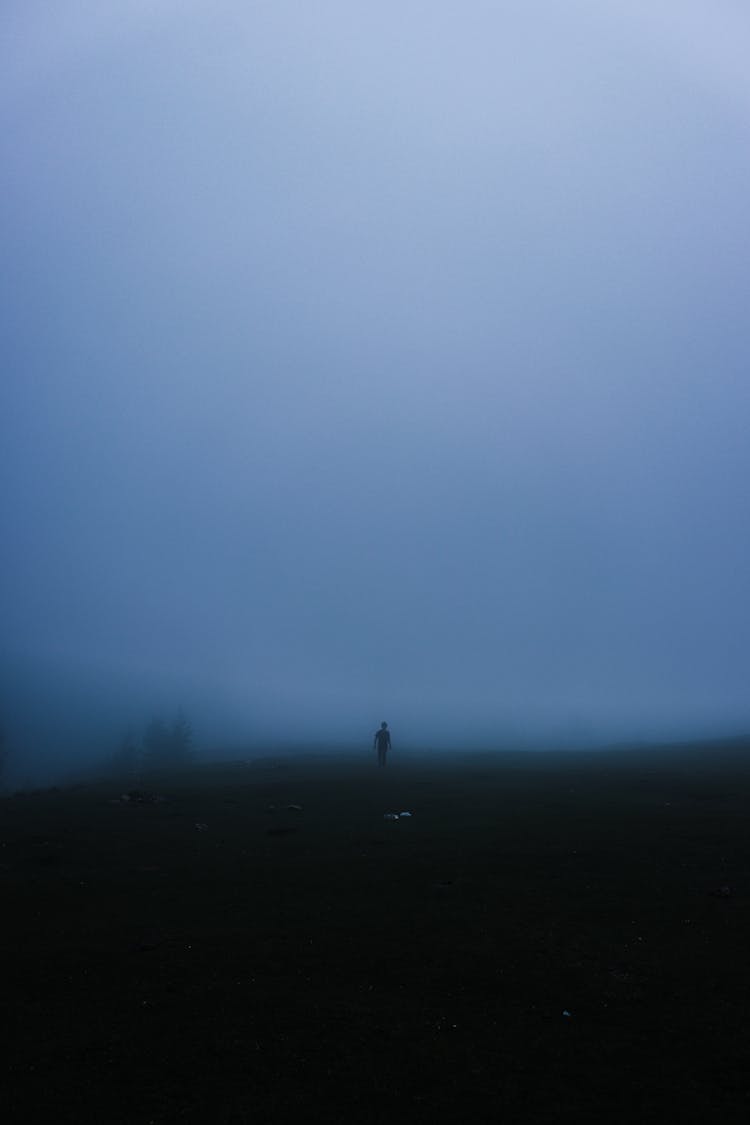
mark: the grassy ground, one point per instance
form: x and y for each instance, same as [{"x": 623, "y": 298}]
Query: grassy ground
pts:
[{"x": 332, "y": 964}]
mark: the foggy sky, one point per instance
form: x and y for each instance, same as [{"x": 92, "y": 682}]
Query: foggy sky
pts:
[{"x": 369, "y": 361}]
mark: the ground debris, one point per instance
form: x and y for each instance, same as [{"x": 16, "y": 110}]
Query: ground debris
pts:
[{"x": 138, "y": 797}]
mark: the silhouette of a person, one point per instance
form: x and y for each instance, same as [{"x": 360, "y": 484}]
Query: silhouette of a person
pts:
[{"x": 382, "y": 742}]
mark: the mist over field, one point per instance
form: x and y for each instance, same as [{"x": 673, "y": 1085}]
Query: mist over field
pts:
[{"x": 369, "y": 362}]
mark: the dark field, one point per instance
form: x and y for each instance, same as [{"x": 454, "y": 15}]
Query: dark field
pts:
[{"x": 337, "y": 966}]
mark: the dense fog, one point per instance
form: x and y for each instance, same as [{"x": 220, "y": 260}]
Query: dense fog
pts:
[{"x": 369, "y": 362}]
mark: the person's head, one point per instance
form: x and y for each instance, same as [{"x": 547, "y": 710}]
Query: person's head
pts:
[{"x": 383, "y": 726}]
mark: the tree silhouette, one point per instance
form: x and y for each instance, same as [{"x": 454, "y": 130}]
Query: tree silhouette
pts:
[
  {"x": 126, "y": 758},
  {"x": 3, "y": 752},
  {"x": 168, "y": 745}
]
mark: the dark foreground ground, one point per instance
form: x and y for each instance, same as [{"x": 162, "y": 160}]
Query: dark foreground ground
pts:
[{"x": 549, "y": 937}]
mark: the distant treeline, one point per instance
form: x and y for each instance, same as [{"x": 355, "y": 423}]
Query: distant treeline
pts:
[{"x": 161, "y": 744}]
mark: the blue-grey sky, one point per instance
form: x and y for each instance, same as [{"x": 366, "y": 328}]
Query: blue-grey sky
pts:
[{"x": 371, "y": 361}]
